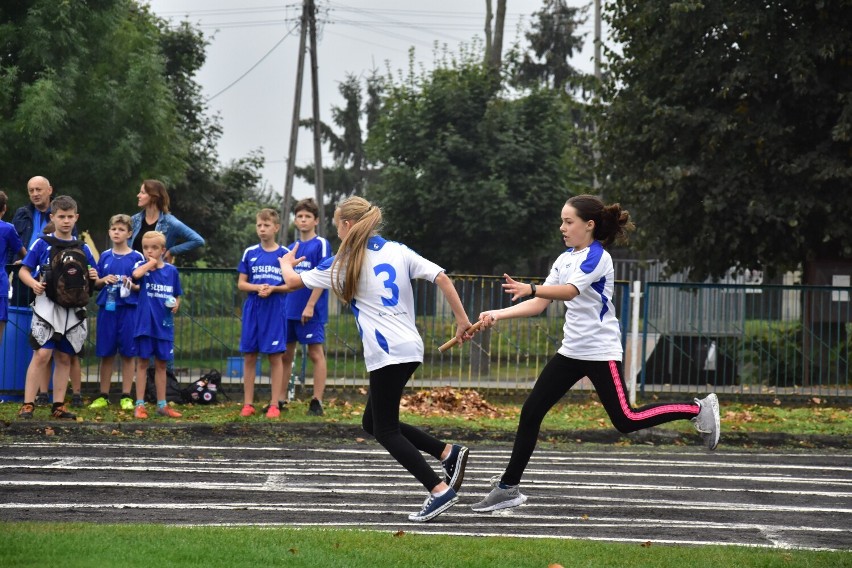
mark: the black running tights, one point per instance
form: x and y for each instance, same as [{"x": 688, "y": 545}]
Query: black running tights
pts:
[{"x": 402, "y": 441}]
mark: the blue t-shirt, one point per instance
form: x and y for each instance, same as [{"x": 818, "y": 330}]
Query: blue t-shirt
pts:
[
  {"x": 262, "y": 266},
  {"x": 120, "y": 265},
  {"x": 10, "y": 244},
  {"x": 315, "y": 251},
  {"x": 39, "y": 255},
  {"x": 154, "y": 288},
  {"x": 40, "y": 220}
]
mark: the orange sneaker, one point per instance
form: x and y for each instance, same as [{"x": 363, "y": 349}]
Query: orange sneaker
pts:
[
  {"x": 168, "y": 412},
  {"x": 140, "y": 412},
  {"x": 248, "y": 410},
  {"x": 272, "y": 411}
]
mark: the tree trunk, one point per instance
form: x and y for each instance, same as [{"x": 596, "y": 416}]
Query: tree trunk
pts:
[{"x": 495, "y": 53}]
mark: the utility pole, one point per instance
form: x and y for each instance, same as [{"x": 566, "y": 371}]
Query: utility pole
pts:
[
  {"x": 595, "y": 152},
  {"x": 283, "y": 237},
  {"x": 318, "y": 178}
]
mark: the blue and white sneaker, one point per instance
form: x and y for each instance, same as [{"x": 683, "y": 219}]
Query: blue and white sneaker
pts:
[
  {"x": 434, "y": 506},
  {"x": 454, "y": 466}
]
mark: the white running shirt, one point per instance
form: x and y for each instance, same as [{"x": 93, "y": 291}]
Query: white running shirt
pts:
[
  {"x": 384, "y": 304},
  {"x": 591, "y": 328}
]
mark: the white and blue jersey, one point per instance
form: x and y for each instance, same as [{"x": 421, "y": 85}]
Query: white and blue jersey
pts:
[
  {"x": 10, "y": 243},
  {"x": 591, "y": 328},
  {"x": 315, "y": 251},
  {"x": 154, "y": 289},
  {"x": 39, "y": 255},
  {"x": 120, "y": 265},
  {"x": 384, "y": 304},
  {"x": 264, "y": 322}
]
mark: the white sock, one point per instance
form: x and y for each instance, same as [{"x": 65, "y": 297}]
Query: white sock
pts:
[{"x": 440, "y": 493}]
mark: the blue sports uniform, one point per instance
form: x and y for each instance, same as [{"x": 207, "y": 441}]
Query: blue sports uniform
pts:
[
  {"x": 153, "y": 338},
  {"x": 10, "y": 244},
  {"x": 315, "y": 251},
  {"x": 38, "y": 256},
  {"x": 116, "y": 328},
  {"x": 264, "y": 325}
]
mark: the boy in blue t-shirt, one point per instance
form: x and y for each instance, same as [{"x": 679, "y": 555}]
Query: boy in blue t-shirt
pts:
[
  {"x": 117, "y": 311},
  {"x": 10, "y": 247},
  {"x": 154, "y": 335},
  {"x": 264, "y": 326},
  {"x": 307, "y": 310},
  {"x": 59, "y": 332}
]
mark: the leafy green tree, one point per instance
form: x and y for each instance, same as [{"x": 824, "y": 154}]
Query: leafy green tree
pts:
[
  {"x": 726, "y": 131},
  {"x": 350, "y": 170},
  {"x": 84, "y": 100},
  {"x": 470, "y": 177}
]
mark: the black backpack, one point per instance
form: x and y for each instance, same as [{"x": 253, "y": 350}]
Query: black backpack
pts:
[
  {"x": 205, "y": 389},
  {"x": 66, "y": 278},
  {"x": 174, "y": 391}
]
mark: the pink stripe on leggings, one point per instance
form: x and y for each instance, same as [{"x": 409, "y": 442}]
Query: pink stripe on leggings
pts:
[{"x": 651, "y": 412}]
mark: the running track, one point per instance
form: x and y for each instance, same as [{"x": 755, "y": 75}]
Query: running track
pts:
[{"x": 776, "y": 500}]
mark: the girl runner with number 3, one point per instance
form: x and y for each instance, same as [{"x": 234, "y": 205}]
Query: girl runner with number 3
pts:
[
  {"x": 374, "y": 277},
  {"x": 582, "y": 277}
]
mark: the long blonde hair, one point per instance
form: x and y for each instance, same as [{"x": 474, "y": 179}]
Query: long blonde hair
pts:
[{"x": 366, "y": 219}]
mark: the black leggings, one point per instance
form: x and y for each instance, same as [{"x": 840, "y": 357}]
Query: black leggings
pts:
[
  {"x": 402, "y": 441},
  {"x": 558, "y": 376}
]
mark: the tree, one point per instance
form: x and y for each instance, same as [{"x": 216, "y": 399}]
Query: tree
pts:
[
  {"x": 494, "y": 36},
  {"x": 726, "y": 131},
  {"x": 84, "y": 101},
  {"x": 468, "y": 177},
  {"x": 350, "y": 171}
]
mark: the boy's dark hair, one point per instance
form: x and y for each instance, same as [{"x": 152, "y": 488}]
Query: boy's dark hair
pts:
[
  {"x": 4, "y": 200},
  {"x": 63, "y": 203},
  {"x": 121, "y": 219},
  {"x": 307, "y": 204}
]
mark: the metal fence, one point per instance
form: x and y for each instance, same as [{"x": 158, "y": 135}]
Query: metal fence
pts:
[{"x": 756, "y": 340}]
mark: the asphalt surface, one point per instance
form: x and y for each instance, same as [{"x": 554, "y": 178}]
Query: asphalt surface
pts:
[{"x": 772, "y": 497}]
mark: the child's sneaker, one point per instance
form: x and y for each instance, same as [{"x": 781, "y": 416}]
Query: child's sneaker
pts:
[
  {"x": 315, "y": 408},
  {"x": 168, "y": 412},
  {"x": 60, "y": 413},
  {"x": 272, "y": 411},
  {"x": 26, "y": 411},
  {"x": 248, "y": 410},
  {"x": 100, "y": 402},
  {"x": 707, "y": 421},
  {"x": 127, "y": 403},
  {"x": 42, "y": 399},
  {"x": 77, "y": 400},
  {"x": 454, "y": 466},
  {"x": 434, "y": 506},
  {"x": 140, "y": 412},
  {"x": 501, "y": 497}
]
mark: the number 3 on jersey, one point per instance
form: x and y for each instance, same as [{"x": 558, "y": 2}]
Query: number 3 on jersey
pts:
[{"x": 388, "y": 283}]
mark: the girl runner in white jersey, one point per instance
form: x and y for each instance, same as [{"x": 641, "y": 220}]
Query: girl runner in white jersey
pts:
[
  {"x": 374, "y": 277},
  {"x": 583, "y": 278}
]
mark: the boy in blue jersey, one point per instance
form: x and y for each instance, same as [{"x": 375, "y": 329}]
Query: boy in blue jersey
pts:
[
  {"x": 58, "y": 332},
  {"x": 154, "y": 335},
  {"x": 307, "y": 310},
  {"x": 10, "y": 247},
  {"x": 264, "y": 326},
  {"x": 117, "y": 311}
]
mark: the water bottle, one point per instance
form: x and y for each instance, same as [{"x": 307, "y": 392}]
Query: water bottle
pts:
[
  {"x": 169, "y": 320},
  {"x": 110, "y": 299}
]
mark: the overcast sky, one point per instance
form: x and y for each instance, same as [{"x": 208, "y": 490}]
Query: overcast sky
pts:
[{"x": 250, "y": 72}]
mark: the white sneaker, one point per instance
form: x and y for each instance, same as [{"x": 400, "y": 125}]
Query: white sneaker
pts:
[
  {"x": 707, "y": 421},
  {"x": 500, "y": 498}
]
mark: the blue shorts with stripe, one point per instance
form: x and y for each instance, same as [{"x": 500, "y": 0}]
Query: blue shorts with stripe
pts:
[
  {"x": 160, "y": 349},
  {"x": 115, "y": 331},
  {"x": 264, "y": 328},
  {"x": 305, "y": 333}
]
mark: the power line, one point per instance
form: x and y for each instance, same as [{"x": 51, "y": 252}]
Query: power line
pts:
[{"x": 252, "y": 68}]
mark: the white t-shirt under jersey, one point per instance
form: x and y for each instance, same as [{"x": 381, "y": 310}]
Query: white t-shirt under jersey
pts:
[
  {"x": 591, "y": 328},
  {"x": 384, "y": 304}
]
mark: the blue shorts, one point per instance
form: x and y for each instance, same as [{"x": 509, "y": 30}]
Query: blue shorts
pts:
[
  {"x": 115, "y": 332},
  {"x": 62, "y": 346},
  {"x": 305, "y": 333},
  {"x": 4, "y": 307},
  {"x": 160, "y": 349},
  {"x": 264, "y": 328}
]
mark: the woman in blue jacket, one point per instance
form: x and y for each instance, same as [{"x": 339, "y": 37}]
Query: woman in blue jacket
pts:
[{"x": 155, "y": 216}]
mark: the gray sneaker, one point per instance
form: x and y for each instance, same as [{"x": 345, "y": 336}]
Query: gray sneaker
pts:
[
  {"x": 500, "y": 498},
  {"x": 42, "y": 399},
  {"x": 707, "y": 421}
]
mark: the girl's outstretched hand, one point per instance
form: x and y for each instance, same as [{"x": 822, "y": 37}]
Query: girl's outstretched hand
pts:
[
  {"x": 517, "y": 289},
  {"x": 290, "y": 259}
]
